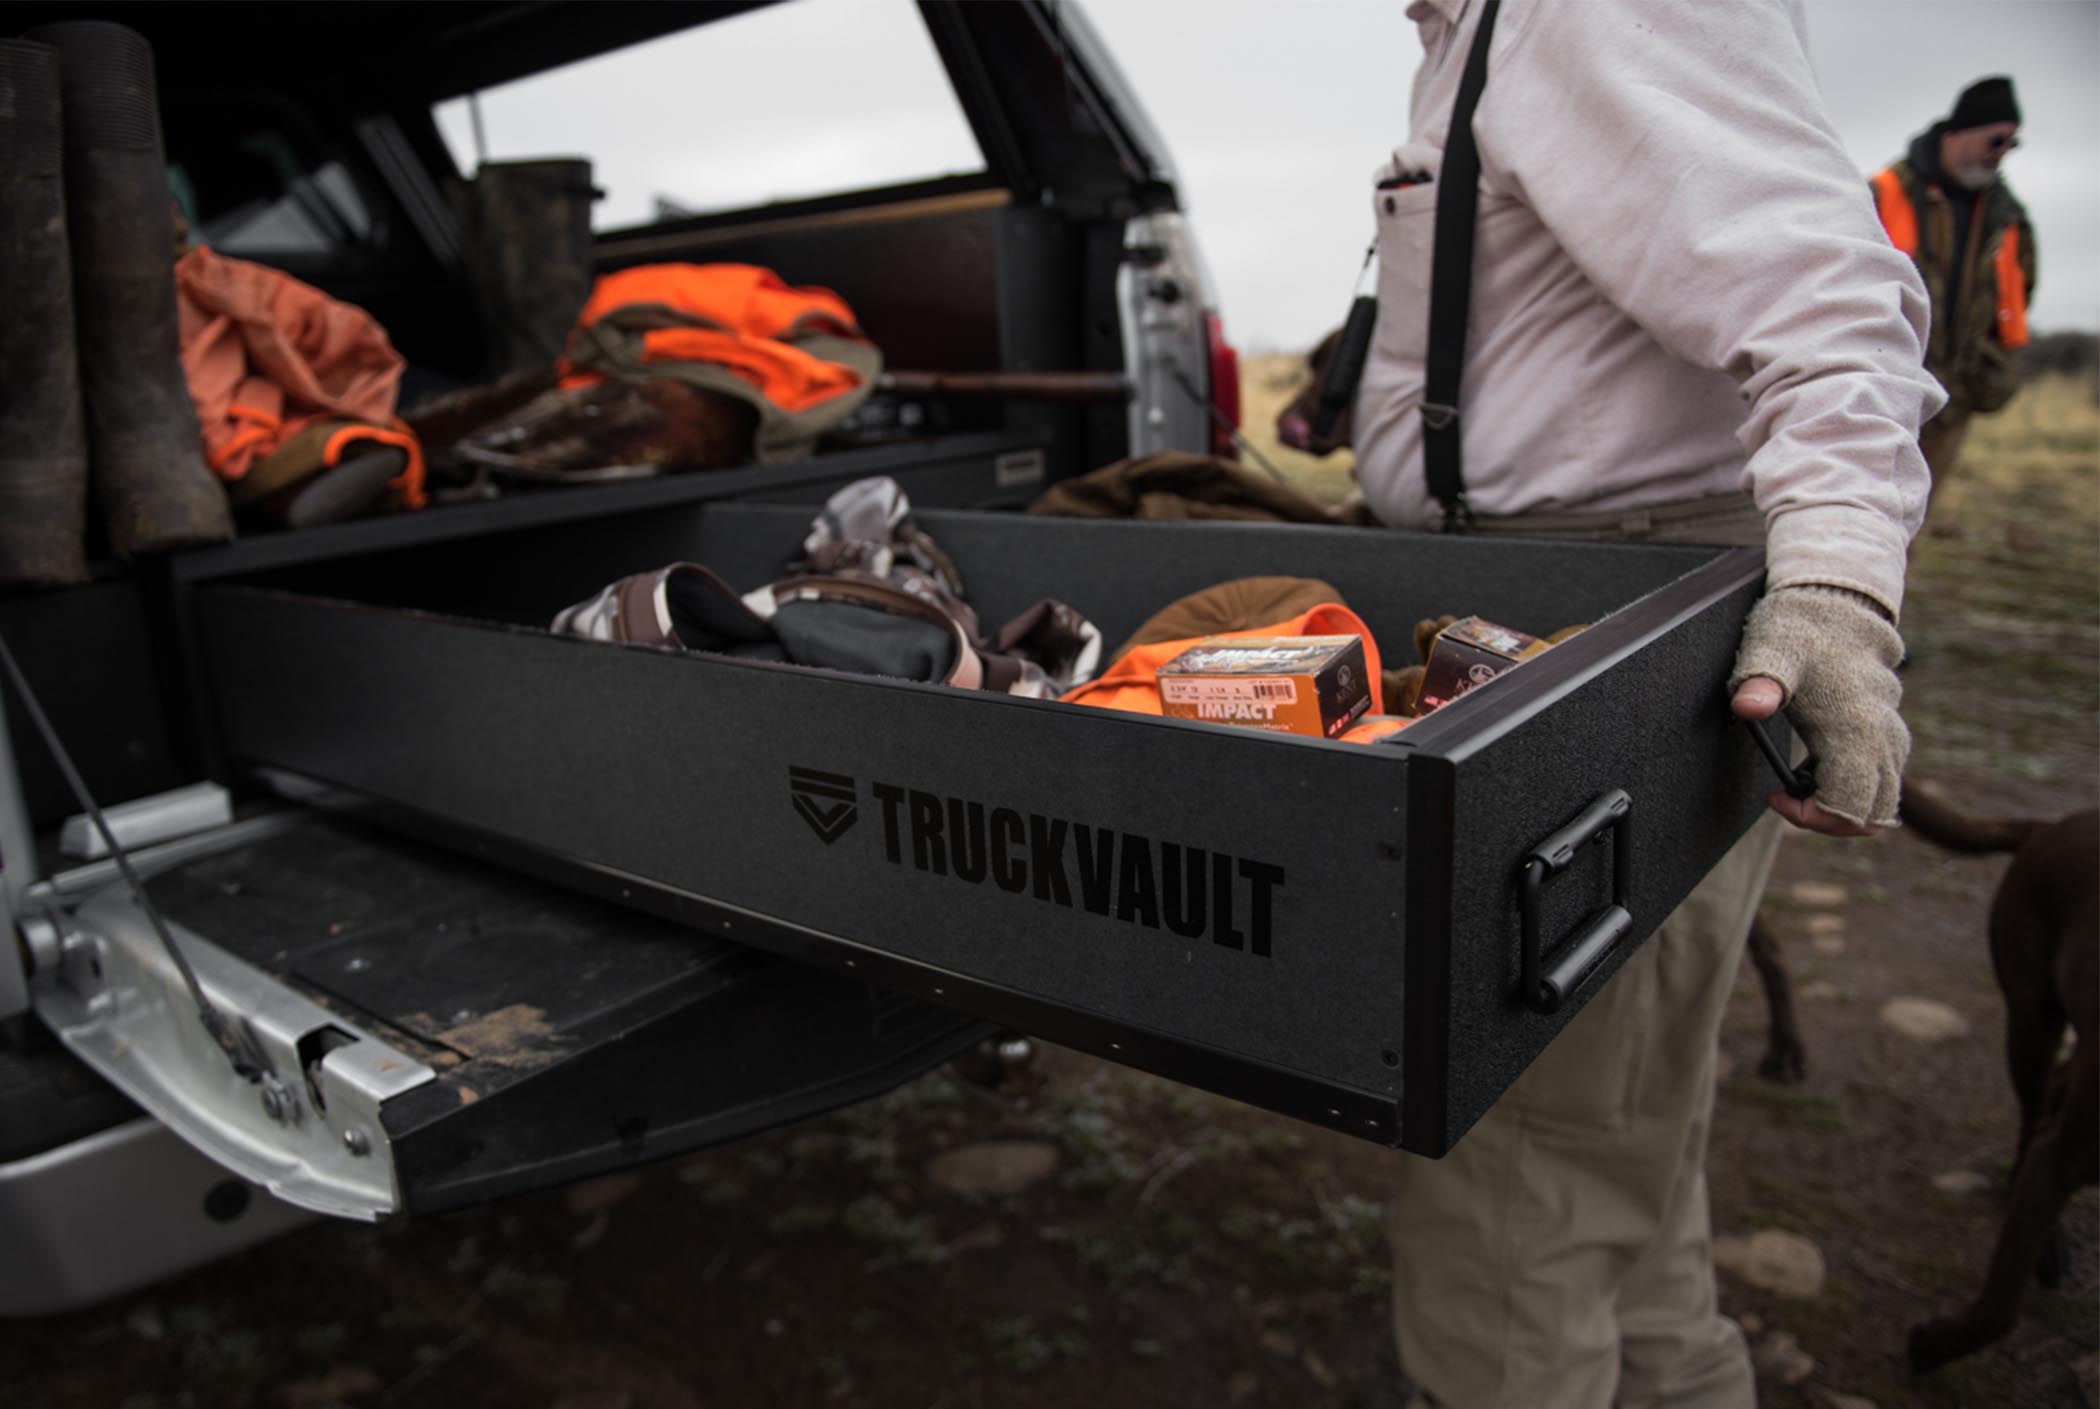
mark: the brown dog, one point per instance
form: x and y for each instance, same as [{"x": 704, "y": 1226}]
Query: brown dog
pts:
[
  {"x": 1294, "y": 423},
  {"x": 1786, "y": 1058},
  {"x": 2045, "y": 948}
]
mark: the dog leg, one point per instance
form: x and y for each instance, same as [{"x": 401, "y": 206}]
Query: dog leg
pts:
[
  {"x": 2030, "y": 1053},
  {"x": 2056, "y": 1253},
  {"x": 1785, "y": 1057},
  {"x": 2034, "y": 1027},
  {"x": 2063, "y": 1157},
  {"x": 2031, "y": 1042}
]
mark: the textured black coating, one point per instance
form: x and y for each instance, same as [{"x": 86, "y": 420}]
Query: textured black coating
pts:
[
  {"x": 1426, "y": 1056},
  {"x": 1656, "y": 723},
  {"x": 88, "y": 653},
  {"x": 1390, "y": 967},
  {"x": 924, "y": 290},
  {"x": 698, "y": 754}
]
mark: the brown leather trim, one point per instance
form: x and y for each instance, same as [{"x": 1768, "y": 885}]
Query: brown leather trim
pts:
[{"x": 636, "y": 619}]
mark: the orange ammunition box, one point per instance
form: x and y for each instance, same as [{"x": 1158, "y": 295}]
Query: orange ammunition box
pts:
[
  {"x": 1314, "y": 685},
  {"x": 1468, "y": 653}
]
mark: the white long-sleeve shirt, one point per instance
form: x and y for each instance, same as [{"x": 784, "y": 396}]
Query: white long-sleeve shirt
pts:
[{"x": 1680, "y": 287}]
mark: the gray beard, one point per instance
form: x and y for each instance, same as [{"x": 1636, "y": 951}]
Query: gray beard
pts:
[{"x": 1971, "y": 178}]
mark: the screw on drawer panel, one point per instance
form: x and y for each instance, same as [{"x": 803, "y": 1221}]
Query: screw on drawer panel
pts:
[{"x": 357, "y": 1142}]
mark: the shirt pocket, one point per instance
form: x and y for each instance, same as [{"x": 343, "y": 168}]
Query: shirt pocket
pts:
[{"x": 1406, "y": 221}]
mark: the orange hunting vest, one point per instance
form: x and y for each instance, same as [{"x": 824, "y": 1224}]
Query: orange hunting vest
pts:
[
  {"x": 1900, "y": 219},
  {"x": 738, "y": 316}
]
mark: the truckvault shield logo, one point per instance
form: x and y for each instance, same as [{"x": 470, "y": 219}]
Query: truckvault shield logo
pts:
[{"x": 824, "y": 800}]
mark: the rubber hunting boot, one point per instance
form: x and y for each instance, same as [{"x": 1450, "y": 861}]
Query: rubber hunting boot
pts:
[
  {"x": 43, "y": 447},
  {"x": 531, "y": 226},
  {"x": 143, "y": 440}
]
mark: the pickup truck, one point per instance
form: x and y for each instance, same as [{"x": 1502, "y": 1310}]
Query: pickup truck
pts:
[
  {"x": 499, "y": 907},
  {"x": 432, "y": 1029}
]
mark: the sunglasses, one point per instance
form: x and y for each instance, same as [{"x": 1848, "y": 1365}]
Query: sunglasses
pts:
[{"x": 2001, "y": 144}]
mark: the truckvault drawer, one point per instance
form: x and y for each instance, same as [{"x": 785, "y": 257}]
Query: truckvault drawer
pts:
[{"x": 1331, "y": 930}]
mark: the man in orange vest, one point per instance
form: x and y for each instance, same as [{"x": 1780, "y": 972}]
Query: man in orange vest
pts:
[{"x": 1945, "y": 206}]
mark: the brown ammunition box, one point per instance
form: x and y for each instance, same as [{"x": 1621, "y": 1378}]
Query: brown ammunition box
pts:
[
  {"x": 1314, "y": 685},
  {"x": 1468, "y": 653}
]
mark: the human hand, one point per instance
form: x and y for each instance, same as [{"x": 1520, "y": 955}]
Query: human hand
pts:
[{"x": 1828, "y": 655}]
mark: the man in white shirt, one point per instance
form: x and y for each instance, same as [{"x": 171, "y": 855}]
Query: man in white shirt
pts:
[{"x": 1686, "y": 325}]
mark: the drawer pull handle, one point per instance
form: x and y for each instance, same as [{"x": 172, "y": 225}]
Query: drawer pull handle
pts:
[
  {"x": 1798, "y": 782},
  {"x": 1546, "y": 987}
]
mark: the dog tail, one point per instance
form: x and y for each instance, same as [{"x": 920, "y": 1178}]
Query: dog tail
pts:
[{"x": 1940, "y": 824}]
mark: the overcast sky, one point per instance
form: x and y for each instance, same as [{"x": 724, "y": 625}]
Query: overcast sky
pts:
[
  {"x": 1274, "y": 113},
  {"x": 1278, "y": 116}
]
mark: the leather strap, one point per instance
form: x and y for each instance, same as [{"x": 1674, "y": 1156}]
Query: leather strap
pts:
[{"x": 1451, "y": 287}]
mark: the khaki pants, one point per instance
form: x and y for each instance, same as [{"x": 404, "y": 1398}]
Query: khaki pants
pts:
[{"x": 1561, "y": 1256}]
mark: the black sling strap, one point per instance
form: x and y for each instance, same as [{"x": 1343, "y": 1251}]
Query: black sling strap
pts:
[{"x": 1451, "y": 286}]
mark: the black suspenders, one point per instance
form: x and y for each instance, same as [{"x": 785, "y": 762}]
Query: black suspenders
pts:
[{"x": 1451, "y": 287}]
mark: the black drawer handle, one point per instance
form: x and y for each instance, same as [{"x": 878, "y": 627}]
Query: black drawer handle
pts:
[
  {"x": 1545, "y": 990},
  {"x": 1798, "y": 782}
]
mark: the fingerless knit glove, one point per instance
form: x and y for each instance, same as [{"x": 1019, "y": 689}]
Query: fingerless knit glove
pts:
[{"x": 1834, "y": 653}]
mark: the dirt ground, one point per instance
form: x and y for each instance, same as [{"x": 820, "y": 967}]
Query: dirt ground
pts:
[{"x": 1091, "y": 1236}]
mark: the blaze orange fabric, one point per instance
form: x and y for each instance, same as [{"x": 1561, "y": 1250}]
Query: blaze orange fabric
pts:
[
  {"x": 789, "y": 377},
  {"x": 409, "y": 483},
  {"x": 1900, "y": 219},
  {"x": 1373, "y": 728},
  {"x": 1132, "y": 682},
  {"x": 266, "y": 355},
  {"x": 1897, "y": 215},
  {"x": 733, "y": 315},
  {"x": 744, "y": 298},
  {"x": 2012, "y": 291}
]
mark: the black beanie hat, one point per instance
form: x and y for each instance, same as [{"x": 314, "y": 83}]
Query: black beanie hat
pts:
[{"x": 1982, "y": 103}]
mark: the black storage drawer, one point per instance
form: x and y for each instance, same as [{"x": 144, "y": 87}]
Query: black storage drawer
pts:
[{"x": 1326, "y": 929}]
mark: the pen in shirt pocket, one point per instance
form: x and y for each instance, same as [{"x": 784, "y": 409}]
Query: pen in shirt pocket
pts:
[{"x": 1401, "y": 180}]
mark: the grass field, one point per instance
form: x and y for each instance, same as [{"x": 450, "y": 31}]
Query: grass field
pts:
[{"x": 1267, "y": 385}]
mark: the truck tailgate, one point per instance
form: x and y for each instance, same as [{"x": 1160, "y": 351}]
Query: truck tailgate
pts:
[{"x": 532, "y": 1035}]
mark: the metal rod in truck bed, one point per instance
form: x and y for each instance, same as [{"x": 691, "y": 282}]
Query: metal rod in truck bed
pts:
[{"x": 1018, "y": 386}]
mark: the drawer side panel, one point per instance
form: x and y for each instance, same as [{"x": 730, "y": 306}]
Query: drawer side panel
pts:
[{"x": 1650, "y": 716}]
